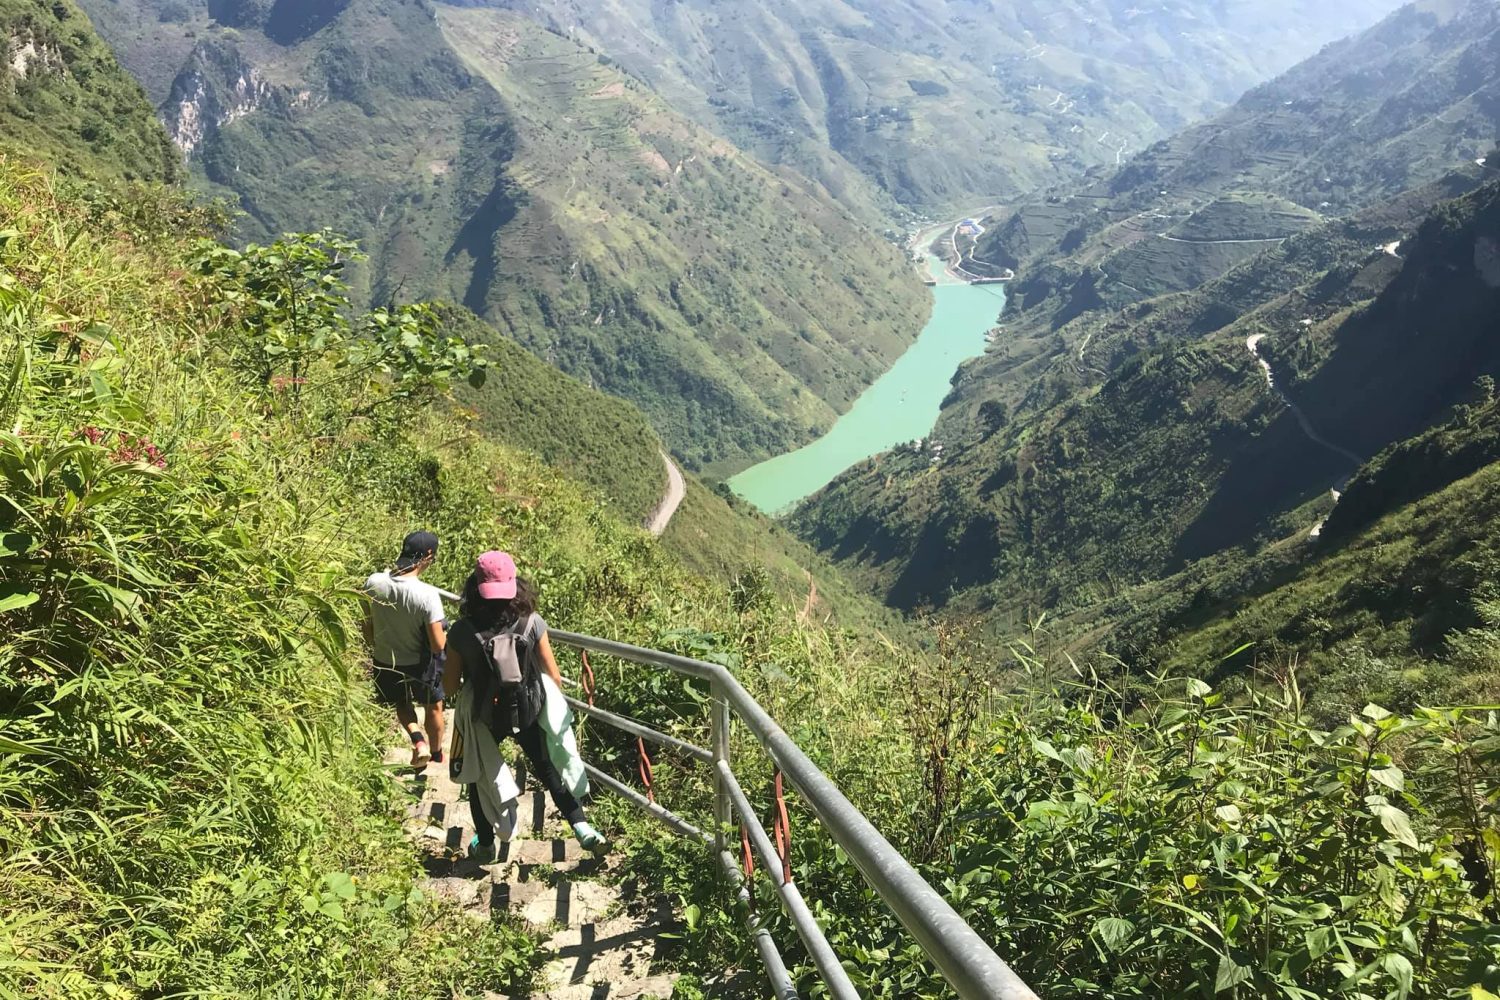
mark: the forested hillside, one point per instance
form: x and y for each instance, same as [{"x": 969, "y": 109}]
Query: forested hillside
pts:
[
  {"x": 483, "y": 160},
  {"x": 943, "y": 108},
  {"x": 63, "y": 95}
]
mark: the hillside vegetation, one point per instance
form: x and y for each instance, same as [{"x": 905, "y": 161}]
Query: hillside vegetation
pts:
[
  {"x": 63, "y": 96},
  {"x": 193, "y": 799},
  {"x": 482, "y": 160}
]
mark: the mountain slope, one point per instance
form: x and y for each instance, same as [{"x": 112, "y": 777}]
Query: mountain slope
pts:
[
  {"x": 944, "y": 107},
  {"x": 64, "y": 98},
  {"x": 1121, "y": 424},
  {"x": 1364, "y": 120},
  {"x": 560, "y": 200},
  {"x": 1387, "y": 605},
  {"x": 1187, "y": 449}
]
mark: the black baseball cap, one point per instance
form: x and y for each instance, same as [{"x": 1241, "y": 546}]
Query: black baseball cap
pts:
[{"x": 415, "y": 547}]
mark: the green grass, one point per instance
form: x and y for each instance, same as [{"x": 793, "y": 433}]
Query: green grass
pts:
[{"x": 588, "y": 436}]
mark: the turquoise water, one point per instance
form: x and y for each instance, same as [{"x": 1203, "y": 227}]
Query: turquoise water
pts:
[{"x": 901, "y": 406}]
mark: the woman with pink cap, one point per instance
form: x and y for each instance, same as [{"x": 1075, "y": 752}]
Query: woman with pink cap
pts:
[{"x": 499, "y": 613}]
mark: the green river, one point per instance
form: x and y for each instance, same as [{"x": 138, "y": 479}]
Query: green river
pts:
[{"x": 901, "y": 406}]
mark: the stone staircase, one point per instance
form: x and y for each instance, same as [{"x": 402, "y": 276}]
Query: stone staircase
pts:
[{"x": 602, "y": 937}]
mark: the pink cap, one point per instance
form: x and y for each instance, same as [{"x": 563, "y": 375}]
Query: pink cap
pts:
[{"x": 497, "y": 576}]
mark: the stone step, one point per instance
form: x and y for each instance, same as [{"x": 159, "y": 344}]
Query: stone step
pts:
[
  {"x": 572, "y": 904},
  {"x": 542, "y": 876},
  {"x": 447, "y": 822},
  {"x": 659, "y": 987},
  {"x": 617, "y": 950}
]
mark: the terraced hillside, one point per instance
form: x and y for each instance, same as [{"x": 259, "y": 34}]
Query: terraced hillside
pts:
[
  {"x": 484, "y": 160},
  {"x": 944, "y": 107},
  {"x": 1366, "y": 119}
]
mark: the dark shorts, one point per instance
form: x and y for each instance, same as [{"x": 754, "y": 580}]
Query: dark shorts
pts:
[{"x": 421, "y": 683}]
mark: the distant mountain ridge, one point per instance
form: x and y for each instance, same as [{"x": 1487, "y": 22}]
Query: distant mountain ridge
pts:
[{"x": 948, "y": 106}]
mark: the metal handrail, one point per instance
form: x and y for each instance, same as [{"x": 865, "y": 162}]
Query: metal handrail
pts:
[{"x": 970, "y": 966}]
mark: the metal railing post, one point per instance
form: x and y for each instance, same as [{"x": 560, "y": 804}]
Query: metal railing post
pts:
[{"x": 719, "y": 721}]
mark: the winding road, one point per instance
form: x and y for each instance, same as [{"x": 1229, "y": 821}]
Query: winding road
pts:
[
  {"x": 676, "y": 490},
  {"x": 1253, "y": 344},
  {"x": 921, "y": 241}
]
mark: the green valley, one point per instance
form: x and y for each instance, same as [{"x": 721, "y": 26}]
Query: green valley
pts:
[
  {"x": 1168, "y": 659},
  {"x": 1197, "y": 350}
]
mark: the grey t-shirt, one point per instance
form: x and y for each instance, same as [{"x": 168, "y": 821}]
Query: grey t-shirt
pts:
[{"x": 401, "y": 608}]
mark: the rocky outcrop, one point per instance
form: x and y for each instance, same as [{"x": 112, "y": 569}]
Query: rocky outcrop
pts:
[
  {"x": 27, "y": 55},
  {"x": 218, "y": 86}
]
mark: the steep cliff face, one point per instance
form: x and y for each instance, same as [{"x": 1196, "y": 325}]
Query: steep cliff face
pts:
[{"x": 218, "y": 87}]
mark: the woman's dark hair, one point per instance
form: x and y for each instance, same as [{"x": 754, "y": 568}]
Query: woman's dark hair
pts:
[{"x": 502, "y": 613}]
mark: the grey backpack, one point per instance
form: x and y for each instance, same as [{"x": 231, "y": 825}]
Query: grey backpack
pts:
[{"x": 510, "y": 697}]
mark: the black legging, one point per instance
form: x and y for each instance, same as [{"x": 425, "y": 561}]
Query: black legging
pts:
[{"x": 533, "y": 744}]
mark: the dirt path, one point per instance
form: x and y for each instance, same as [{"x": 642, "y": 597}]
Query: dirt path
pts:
[
  {"x": 676, "y": 490},
  {"x": 1213, "y": 243},
  {"x": 812, "y": 598},
  {"x": 1253, "y": 343}
]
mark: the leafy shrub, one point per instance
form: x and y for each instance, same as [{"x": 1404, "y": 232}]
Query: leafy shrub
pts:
[{"x": 1201, "y": 849}]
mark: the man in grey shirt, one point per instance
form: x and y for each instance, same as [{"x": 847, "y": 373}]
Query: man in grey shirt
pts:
[{"x": 404, "y": 627}]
